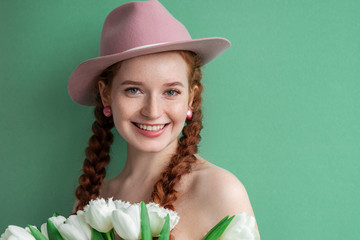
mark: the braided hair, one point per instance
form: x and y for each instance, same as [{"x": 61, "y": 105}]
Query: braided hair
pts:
[{"x": 97, "y": 152}]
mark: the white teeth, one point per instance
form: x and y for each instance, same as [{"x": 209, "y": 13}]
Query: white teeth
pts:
[{"x": 151, "y": 128}]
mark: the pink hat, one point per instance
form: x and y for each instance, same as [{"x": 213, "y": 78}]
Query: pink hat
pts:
[{"x": 134, "y": 29}]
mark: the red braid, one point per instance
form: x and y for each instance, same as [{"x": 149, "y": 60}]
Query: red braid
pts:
[{"x": 97, "y": 152}]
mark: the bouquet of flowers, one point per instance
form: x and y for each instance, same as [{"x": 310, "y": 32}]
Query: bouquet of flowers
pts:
[{"x": 101, "y": 218}]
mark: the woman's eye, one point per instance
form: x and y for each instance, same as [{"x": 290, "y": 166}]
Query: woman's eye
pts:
[
  {"x": 133, "y": 90},
  {"x": 172, "y": 92}
]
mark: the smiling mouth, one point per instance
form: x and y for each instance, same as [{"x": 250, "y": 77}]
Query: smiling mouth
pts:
[{"x": 151, "y": 128}]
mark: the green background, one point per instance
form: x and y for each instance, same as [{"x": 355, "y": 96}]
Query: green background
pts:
[{"x": 281, "y": 108}]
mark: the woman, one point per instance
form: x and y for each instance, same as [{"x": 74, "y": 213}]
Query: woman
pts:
[{"x": 146, "y": 83}]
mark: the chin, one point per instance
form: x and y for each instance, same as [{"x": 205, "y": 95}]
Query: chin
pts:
[
  {"x": 154, "y": 146},
  {"x": 150, "y": 148}
]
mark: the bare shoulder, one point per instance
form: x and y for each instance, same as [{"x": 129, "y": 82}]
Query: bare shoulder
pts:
[
  {"x": 221, "y": 191},
  {"x": 209, "y": 193}
]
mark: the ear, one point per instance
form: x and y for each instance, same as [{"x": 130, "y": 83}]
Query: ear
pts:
[
  {"x": 105, "y": 96},
  {"x": 192, "y": 94}
]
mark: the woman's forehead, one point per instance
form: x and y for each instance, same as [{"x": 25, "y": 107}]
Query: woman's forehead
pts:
[{"x": 168, "y": 68}]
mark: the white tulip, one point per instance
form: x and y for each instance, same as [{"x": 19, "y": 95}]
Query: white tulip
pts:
[
  {"x": 83, "y": 224},
  {"x": 98, "y": 214},
  {"x": 44, "y": 230},
  {"x": 16, "y": 233},
  {"x": 127, "y": 222},
  {"x": 242, "y": 227},
  {"x": 57, "y": 221},
  {"x": 157, "y": 215},
  {"x": 121, "y": 204},
  {"x": 75, "y": 228}
]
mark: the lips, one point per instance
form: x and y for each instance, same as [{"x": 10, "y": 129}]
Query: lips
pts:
[
  {"x": 150, "y": 130},
  {"x": 150, "y": 127}
]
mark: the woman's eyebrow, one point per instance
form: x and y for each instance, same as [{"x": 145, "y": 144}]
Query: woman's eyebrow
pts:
[
  {"x": 174, "y": 84},
  {"x": 129, "y": 82}
]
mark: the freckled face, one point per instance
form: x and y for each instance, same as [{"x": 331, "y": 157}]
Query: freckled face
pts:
[{"x": 149, "y": 100}]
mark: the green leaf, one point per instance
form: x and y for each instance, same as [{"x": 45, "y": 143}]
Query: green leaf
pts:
[
  {"x": 104, "y": 235},
  {"x": 219, "y": 229},
  {"x": 207, "y": 237},
  {"x": 112, "y": 234},
  {"x": 52, "y": 231},
  {"x": 108, "y": 236},
  {"x": 97, "y": 235},
  {"x": 56, "y": 214},
  {"x": 165, "y": 231},
  {"x": 36, "y": 233},
  {"x": 145, "y": 223}
]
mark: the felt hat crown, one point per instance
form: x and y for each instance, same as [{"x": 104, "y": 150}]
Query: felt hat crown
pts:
[{"x": 134, "y": 29}]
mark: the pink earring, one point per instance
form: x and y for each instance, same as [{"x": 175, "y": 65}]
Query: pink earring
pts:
[
  {"x": 107, "y": 111},
  {"x": 189, "y": 114}
]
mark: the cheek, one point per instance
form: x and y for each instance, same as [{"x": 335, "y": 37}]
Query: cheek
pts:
[
  {"x": 177, "y": 111},
  {"x": 121, "y": 108}
]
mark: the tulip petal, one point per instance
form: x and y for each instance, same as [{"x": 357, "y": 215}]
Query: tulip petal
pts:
[
  {"x": 79, "y": 223},
  {"x": 17, "y": 233},
  {"x": 162, "y": 213},
  {"x": 57, "y": 220},
  {"x": 126, "y": 226},
  {"x": 83, "y": 225},
  {"x": 98, "y": 214},
  {"x": 52, "y": 231},
  {"x": 241, "y": 228},
  {"x": 44, "y": 230},
  {"x": 121, "y": 204},
  {"x": 156, "y": 222},
  {"x": 70, "y": 232}
]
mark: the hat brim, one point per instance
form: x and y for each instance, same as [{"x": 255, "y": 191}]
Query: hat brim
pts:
[{"x": 82, "y": 81}]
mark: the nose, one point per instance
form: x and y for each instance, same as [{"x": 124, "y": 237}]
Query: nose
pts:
[{"x": 151, "y": 107}]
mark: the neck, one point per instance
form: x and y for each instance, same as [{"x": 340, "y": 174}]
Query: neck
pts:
[{"x": 147, "y": 166}]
